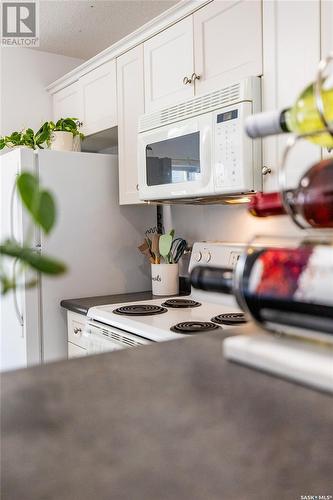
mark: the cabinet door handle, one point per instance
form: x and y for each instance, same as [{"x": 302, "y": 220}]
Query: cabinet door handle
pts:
[
  {"x": 194, "y": 77},
  {"x": 77, "y": 331},
  {"x": 137, "y": 187},
  {"x": 266, "y": 170},
  {"x": 187, "y": 80}
]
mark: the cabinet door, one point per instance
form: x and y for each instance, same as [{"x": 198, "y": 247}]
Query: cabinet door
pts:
[
  {"x": 326, "y": 10},
  {"x": 291, "y": 55},
  {"x": 75, "y": 328},
  {"x": 75, "y": 351},
  {"x": 130, "y": 97},
  {"x": 227, "y": 43},
  {"x": 168, "y": 58},
  {"x": 99, "y": 98},
  {"x": 66, "y": 103}
]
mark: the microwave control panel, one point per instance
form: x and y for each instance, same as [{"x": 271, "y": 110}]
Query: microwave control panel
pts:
[{"x": 232, "y": 149}]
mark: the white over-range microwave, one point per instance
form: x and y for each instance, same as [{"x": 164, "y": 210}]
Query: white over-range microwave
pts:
[{"x": 198, "y": 151}]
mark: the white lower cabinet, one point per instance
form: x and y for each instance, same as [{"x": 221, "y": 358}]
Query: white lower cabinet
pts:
[
  {"x": 291, "y": 43},
  {"x": 75, "y": 351},
  {"x": 75, "y": 328},
  {"x": 130, "y": 97}
]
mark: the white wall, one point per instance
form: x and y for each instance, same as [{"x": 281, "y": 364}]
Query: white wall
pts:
[
  {"x": 24, "y": 74},
  {"x": 226, "y": 223}
]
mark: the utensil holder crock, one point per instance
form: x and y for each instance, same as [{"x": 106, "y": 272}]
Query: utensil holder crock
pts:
[{"x": 165, "y": 279}]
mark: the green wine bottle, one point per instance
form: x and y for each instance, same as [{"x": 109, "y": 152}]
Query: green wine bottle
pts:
[{"x": 302, "y": 118}]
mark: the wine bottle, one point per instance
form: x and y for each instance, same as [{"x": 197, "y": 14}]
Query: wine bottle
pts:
[
  {"x": 303, "y": 117},
  {"x": 311, "y": 201},
  {"x": 291, "y": 287}
]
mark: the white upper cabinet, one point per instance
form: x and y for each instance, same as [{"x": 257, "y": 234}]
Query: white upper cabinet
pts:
[
  {"x": 227, "y": 43},
  {"x": 66, "y": 103},
  {"x": 99, "y": 98},
  {"x": 130, "y": 95},
  {"x": 168, "y": 59},
  {"x": 291, "y": 56},
  {"x": 326, "y": 11}
]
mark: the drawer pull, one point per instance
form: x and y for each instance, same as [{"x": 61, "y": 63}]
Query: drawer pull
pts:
[{"x": 77, "y": 331}]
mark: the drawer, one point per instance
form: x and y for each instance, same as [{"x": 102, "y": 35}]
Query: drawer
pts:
[
  {"x": 74, "y": 351},
  {"x": 75, "y": 325}
]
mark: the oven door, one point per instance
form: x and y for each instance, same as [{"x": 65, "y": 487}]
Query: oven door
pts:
[
  {"x": 99, "y": 337},
  {"x": 175, "y": 161}
]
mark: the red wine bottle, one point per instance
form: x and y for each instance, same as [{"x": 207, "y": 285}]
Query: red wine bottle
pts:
[
  {"x": 284, "y": 289},
  {"x": 312, "y": 200}
]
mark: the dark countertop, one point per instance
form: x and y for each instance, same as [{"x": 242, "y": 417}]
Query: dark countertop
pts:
[
  {"x": 82, "y": 305},
  {"x": 170, "y": 421}
]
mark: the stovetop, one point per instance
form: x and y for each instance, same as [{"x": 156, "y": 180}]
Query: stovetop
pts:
[
  {"x": 174, "y": 317},
  {"x": 160, "y": 327}
]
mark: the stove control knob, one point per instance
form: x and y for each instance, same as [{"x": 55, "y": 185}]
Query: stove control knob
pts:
[
  {"x": 198, "y": 256},
  {"x": 207, "y": 256}
]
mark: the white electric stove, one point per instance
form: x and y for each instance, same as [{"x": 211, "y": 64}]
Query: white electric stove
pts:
[{"x": 117, "y": 326}]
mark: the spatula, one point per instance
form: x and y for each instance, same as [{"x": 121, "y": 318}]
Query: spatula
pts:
[{"x": 165, "y": 245}]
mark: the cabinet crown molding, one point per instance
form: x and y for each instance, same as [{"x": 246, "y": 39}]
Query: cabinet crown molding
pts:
[{"x": 179, "y": 11}]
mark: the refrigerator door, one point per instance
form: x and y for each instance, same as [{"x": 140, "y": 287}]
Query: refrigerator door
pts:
[
  {"x": 19, "y": 315},
  {"x": 94, "y": 236}
]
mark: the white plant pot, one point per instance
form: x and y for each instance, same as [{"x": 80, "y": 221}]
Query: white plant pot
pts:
[
  {"x": 165, "y": 279},
  {"x": 62, "y": 141}
]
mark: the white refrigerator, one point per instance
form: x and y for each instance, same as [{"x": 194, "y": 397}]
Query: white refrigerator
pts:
[{"x": 94, "y": 236}]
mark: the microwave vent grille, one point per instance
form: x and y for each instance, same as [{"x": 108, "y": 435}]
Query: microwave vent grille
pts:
[{"x": 193, "y": 107}]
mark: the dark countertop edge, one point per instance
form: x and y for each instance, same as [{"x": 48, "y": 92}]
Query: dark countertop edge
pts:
[{"x": 82, "y": 305}]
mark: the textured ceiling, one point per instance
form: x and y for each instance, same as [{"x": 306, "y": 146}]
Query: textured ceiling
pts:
[{"x": 82, "y": 28}]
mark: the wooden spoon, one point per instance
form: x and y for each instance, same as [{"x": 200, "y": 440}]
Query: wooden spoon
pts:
[{"x": 155, "y": 248}]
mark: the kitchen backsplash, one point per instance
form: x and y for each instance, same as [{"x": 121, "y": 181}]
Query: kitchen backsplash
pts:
[{"x": 224, "y": 223}]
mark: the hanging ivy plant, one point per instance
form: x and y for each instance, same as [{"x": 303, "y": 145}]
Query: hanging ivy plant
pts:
[{"x": 43, "y": 137}]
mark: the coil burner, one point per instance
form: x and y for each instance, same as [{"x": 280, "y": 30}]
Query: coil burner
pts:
[
  {"x": 191, "y": 327},
  {"x": 180, "y": 303},
  {"x": 140, "y": 310},
  {"x": 230, "y": 319}
]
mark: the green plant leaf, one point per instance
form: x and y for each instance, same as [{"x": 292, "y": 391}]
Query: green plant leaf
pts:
[
  {"x": 39, "y": 203},
  {"x": 35, "y": 260},
  {"x": 43, "y": 135},
  {"x": 27, "y": 185},
  {"x": 46, "y": 213},
  {"x": 28, "y": 138},
  {"x": 7, "y": 284}
]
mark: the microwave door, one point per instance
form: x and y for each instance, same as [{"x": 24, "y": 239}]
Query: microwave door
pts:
[
  {"x": 175, "y": 162},
  {"x": 159, "y": 170}
]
